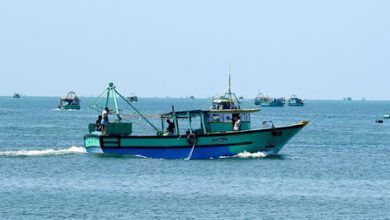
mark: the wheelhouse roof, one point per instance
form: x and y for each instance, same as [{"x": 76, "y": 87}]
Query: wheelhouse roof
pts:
[{"x": 194, "y": 113}]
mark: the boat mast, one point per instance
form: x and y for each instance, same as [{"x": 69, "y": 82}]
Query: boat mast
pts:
[
  {"x": 230, "y": 81},
  {"x": 113, "y": 92},
  {"x": 136, "y": 110},
  {"x": 231, "y": 95}
]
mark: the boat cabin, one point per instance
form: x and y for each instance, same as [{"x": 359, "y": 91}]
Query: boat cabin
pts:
[
  {"x": 221, "y": 117},
  {"x": 207, "y": 121}
]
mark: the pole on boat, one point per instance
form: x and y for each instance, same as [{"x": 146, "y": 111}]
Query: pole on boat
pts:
[
  {"x": 175, "y": 120},
  {"x": 229, "y": 93},
  {"x": 190, "y": 121},
  {"x": 139, "y": 113},
  {"x": 113, "y": 92},
  {"x": 202, "y": 121},
  {"x": 108, "y": 93},
  {"x": 230, "y": 81},
  {"x": 116, "y": 107}
]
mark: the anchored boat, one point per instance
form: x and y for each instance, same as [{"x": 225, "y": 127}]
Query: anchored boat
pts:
[
  {"x": 70, "y": 102},
  {"x": 223, "y": 130},
  {"x": 295, "y": 101},
  {"x": 266, "y": 101}
]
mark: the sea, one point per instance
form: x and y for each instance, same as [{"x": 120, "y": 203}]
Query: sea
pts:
[{"x": 337, "y": 167}]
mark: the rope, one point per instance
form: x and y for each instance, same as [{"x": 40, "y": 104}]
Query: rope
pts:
[{"x": 192, "y": 149}]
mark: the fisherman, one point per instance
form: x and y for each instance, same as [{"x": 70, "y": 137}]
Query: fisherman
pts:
[
  {"x": 104, "y": 121},
  {"x": 98, "y": 123},
  {"x": 171, "y": 127}
]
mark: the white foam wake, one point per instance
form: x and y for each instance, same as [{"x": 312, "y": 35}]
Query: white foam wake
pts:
[
  {"x": 247, "y": 155},
  {"x": 47, "y": 152},
  {"x": 252, "y": 155}
]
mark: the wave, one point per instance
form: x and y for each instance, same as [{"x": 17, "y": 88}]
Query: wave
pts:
[{"x": 46, "y": 152}]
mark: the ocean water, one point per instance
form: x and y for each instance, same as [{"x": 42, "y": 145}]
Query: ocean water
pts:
[{"x": 338, "y": 167}]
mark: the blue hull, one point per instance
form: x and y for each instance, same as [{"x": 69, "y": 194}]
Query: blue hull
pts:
[{"x": 167, "y": 153}]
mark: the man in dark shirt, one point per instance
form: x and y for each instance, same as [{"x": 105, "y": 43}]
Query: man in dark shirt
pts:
[{"x": 171, "y": 127}]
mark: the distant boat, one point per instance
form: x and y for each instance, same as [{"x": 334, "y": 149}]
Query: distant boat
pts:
[
  {"x": 266, "y": 101},
  {"x": 132, "y": 98},
  {"x": 295, "y": 101},
  {"x": 347, "y": 99},
  {"x": 70, "y": 102},
  {"x": 192, "y": 97},
  {"x": 241, "y": 98},
  {"x": 380, "y": 121},
  {"x": 16, "y": 95}
]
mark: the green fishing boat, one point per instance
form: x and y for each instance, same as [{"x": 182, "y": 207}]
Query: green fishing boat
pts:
[
  {"x": 69, "y": 102},
  {"x": 223, "y": 130},
  {"x": 295, "y": 101}
]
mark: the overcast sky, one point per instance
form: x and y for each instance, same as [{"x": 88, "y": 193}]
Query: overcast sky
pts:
[{"x": 326, "y": 49}]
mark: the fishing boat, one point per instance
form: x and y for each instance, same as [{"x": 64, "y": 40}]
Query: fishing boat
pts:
[
  {"x": 132, "y": 98},
  {"x": 295, "y": 101},
  {"x": 347, "y": 99},
  {"x": 16, "y": 95},
  {"x": 69, "y": 102},
  {"x": 210, "y": 133},
  {"x": 267, "y": 101}
]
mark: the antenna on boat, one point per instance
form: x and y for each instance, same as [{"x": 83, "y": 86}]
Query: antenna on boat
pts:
[
  {"x": 111, "y": 91},
  {"x": 231, "y": 95},
  {"x": 230, "y": 80}
]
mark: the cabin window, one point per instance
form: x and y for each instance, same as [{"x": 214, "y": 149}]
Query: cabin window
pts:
[
  {"x": 228, "y": 117},
  {"x": 245, "y": 117},
  {"x": 214, "y": 118},
  {"x": 196, "y": 125},
  {"x": 225, "y": 117}
]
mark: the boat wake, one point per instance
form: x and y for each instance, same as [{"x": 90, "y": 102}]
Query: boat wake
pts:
[
  {"x": 251, "y": 155},
  {"x": 248, "y": 155},
  {"x": 46, "y": 152}
]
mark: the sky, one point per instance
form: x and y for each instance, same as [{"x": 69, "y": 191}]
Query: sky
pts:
[{"x": 323, "y": 49}]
